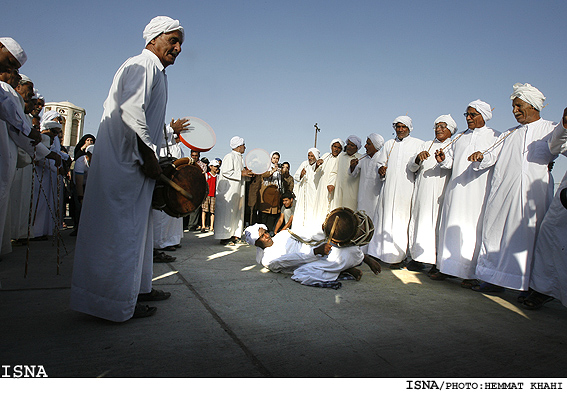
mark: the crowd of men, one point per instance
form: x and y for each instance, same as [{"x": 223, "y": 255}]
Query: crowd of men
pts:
[{"x": 476, "y": 205}]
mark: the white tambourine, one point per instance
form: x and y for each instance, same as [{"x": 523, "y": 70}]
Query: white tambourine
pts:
[
  {"x": 200, "y": 137},
  {"x": 258, "y": 161}
]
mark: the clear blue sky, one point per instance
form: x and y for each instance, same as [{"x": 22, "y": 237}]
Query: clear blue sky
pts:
[{"x": 269, "y": 70}]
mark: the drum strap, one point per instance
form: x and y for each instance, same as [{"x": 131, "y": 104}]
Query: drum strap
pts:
[{"x": 166, "y": 140}]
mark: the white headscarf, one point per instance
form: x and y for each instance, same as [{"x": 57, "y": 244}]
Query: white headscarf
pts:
[
  {"x": 25, "y": 79},
  {"x": 529, "y": 94},
  {"x": 48, "y": 116},
  {"x": 339, "y": 141},
  {"x": 51, "y": 124},
  {"x": 315, "y": 152},
  {"x": 160, "y": 25},
  {"x": 252, "y": 233},
  {"x": 377, "y": 140},
  {"x": 355, "y": 140},
  {"x": 15, "y": 49},
  {"x": 405, "y": 120},
  {"x": 236, "y": 141},
  {"x": 451, "y": 124},
  {"x": 483, "y": 108}
]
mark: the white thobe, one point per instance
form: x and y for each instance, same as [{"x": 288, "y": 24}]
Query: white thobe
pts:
[
  {"x": 45, "y": 194},
  {"x": 326, "y": 175},
  {"x": 369, "y": 187},
  {"x": 463, "y": 207},
  {"x": 392, "y": 216},
  {"x": 346, "y": 187},
  {"x": 114, "y": 249},
  {"x": 549, "y": 271},
  {"x": 229, "y": 205},
  {"x": 168, "y": 230},
  {"x": 14, "y": 128},
  {"x": 516, "y": 204},
  {"x": 291, "y": 256},
  {"x": 305, "y": 194},
  {"x": 427, "y": 200}
]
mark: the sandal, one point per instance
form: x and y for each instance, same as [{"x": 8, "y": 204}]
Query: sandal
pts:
[
  {"x": 163, "y": 258},
  {"x": 523, "y": 295},
  {"x": 177, "y": 246},
  {"x": 536, "y": 300},
  {"x": 396, "y": 266},
  {"x": 438, "y": 275},
  {"x": 143, "y": 311},
  {"x": 154, "y": 295},
  {"x": 469, "y": 283},
  {"x": 486, "y": 287}
]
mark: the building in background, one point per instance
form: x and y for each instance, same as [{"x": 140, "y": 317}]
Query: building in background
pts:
[{"x": 73, "y": 121}]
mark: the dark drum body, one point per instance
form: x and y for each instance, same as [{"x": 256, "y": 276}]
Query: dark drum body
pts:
[
  {"x": 190, "y": 177},
  {"x": 352, "y": 229}
]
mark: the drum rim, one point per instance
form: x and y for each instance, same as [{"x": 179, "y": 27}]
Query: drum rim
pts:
[{"x": 192, "y": 147}]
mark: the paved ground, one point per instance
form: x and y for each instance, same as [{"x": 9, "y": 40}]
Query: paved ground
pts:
[{"x": 227, "y": 317}]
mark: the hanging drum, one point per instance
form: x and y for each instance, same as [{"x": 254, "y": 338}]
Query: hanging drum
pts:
[
  {"x": 258, "y": 161},
  {"x": 353, "y": 228},
  {"x": 181, "y": 190}
]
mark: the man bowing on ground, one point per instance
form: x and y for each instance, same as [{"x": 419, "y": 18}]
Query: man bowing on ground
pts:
[{"x": 114, "y": 254}]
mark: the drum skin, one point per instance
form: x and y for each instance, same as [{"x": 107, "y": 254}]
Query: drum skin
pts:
[
  {"x": 353, "y": 228},
  {"x": 191, "y": 178}
]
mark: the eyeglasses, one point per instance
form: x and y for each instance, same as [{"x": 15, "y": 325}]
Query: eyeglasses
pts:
[
  {"x": 440, "y": 126},
  {"x": 467, "y": 114}
]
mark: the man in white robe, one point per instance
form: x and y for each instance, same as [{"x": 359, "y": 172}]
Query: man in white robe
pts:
[
  {"x": 114, "y": 250},
  {"x": 465, "y": 197},
  {"x": 391, "y": 219},
  {"x": 15, "y": 130},
  {"x": 549, "y": 273},
  {"x": 310, "y": 260},
  {"x": 168, "y": 230},
  {"x": 346, "y": 186},
  {"x": 428, "y": 196},
  {"x": 305, "y": 181},
  {"x": 519, "y": 194},
  {"x": 370, "y": 184},
  {"x": 326, "y": 174},
  {"x": 229, "y": 208}
]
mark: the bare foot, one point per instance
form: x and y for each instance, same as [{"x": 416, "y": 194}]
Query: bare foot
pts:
[
  {"x": 373, "y": 264},
  {"x": 354, "y": 272}
]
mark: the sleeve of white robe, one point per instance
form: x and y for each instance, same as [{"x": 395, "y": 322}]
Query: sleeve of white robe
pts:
[
  {"x": 11, "y": 112},
  {"x": 558, "y": 141},
  {"x": 412, "y": 165},
  {"x": 137, "y": 83},
  {"x": 231, "y": 170},
  {"x": 382, "y": 158},
  {"x": 447, "y": 164}
]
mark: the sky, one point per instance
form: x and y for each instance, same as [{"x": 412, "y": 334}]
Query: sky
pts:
[{"x": 269, "y": 70}]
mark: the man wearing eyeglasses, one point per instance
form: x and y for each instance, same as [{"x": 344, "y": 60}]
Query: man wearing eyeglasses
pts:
[{"x": 465, "y": 196}]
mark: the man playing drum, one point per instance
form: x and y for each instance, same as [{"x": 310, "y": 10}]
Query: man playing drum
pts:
[
  {"x": 114, "y": 252},
  {"x": 311, "y": 260}
]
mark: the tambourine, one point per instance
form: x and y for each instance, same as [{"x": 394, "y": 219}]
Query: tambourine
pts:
[
  {"x": 258, "y": 161},
  {"x": 200, "y": 137}
]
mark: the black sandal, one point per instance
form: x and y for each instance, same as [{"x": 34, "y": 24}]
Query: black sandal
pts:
[
  {"x": 536, "y": 300},
  {"x": 143, "y": 311},
  {"x": 154, "y": 295}
]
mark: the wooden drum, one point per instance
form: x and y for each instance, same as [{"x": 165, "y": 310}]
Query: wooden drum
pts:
[{"x": 353, "y": 228}]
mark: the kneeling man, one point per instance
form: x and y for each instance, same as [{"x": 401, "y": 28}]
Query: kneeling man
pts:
[{"x": 312, "y": 261}]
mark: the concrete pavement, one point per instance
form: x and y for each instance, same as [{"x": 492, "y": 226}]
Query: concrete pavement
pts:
[{"x": 228, "y": 317}]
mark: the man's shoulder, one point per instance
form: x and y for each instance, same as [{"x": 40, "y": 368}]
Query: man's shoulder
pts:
[{"x": 145, "y": 59}]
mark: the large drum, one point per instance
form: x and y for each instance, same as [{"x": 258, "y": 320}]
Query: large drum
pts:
[
  {"x": 190, "y": 177},
  {"x": 352, "y": 229}
]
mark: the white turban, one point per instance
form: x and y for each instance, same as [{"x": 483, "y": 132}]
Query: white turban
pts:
[
  {"x": 483, "y": 108},
  {"x": 405, "y": 120},
  {"x": 25, "y": 79},
  {"x": 451, "y": 124},
  {"x": 48, "y": 116},
  {"x": 252, "y": 233},
  {"x": 90, "y": 149},
  {"x": 355, "y": 140},
  {"x": 315, "y": 152},
  {"x": 36, "y": 94},
  {"x": 377, "y": 140},
  {"x": 339, "y": 141},
  {"x": 529, "y": 94},
  {"x": 236, "y": 141},
  {"x": 15, "y": 49},
  {"x": 214, "y": 163},
  {"x": 51, "y": 124},
  {"x": 160, "y": 25}
]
